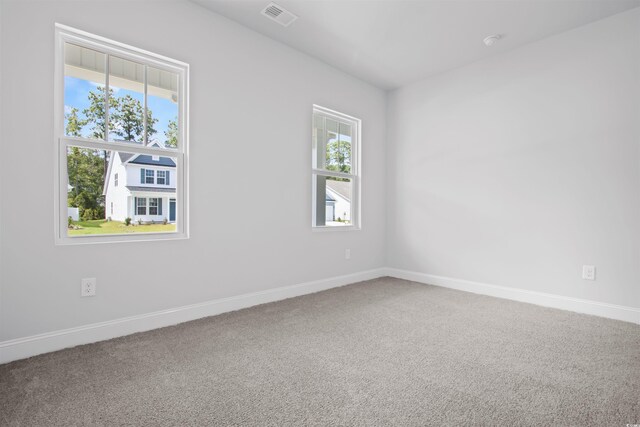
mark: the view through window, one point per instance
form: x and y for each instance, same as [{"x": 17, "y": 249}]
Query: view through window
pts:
[
  {"x": 335, "y": 181},
  {"x": 122, "y": 140}
]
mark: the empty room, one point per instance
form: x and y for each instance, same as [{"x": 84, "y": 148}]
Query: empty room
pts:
[{"x": 320, "y": 212}]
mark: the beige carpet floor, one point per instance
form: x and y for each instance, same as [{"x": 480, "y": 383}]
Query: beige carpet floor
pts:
[{"x": 377, "y": 353}]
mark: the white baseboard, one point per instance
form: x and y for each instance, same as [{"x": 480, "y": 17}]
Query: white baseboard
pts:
[
  {"x": 21, "y": 348},
  {"x": 612, "y": 311}
]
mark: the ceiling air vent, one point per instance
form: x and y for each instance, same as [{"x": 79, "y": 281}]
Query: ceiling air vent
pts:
[{"x": 279, "y": 14}]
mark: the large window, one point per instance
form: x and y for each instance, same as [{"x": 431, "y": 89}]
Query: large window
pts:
[
  {"x": 335, "y": 170},
  {"x": 118, "y": 111}
]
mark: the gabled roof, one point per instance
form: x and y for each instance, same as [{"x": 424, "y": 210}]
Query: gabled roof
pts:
[
  {"x": 125, "y": 156},
  {"x": 341, "y": 188},
  {"x": 145, "y": 159}
]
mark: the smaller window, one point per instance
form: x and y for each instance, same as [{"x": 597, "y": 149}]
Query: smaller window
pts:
[
  {"x": 141, "y": 206},
  {"x": 153, "y": 206},
  {"x": 334, "y": 166},
  {"x": 115, "y": 180},
  {"x": 149, "y": 176},
  {"x": 160, "y": 178},
  {"x": 111, "y": 208}
]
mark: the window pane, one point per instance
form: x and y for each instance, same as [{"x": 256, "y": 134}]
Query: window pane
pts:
[
  {"x": 338, "y": 147},
  {"x": 332, "y": 201},
  {"x": 134, "y": 207},
  {"x": 332, "y": 145},
  {"x": 126, "y": 100},
  {"x": 162, "y": 99},
  {"x": 84, "y": 97},
  {"x": 153, "y": 206}
]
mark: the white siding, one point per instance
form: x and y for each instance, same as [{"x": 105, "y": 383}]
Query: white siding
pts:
[
  {"x": 133, "y": 175},
  {"x": 117, "y": 195}
]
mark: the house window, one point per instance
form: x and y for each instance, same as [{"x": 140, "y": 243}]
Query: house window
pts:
[
  {"x": 141, "y": 206},
  {"x": 111, "y": 208},
  {"x": 154, "y": 206},
  {"x": 335, "y": 170},
  {"x": 160, "y": 177},
  {"x": 117, "y": 107}
]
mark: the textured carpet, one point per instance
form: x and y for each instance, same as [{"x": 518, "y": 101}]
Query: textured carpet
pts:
[{"x": 383, "y": 352}]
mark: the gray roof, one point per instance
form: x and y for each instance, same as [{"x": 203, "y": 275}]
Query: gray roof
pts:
[
  {"x": 151, "y": 189},
  {"x": 125, "y": 156},
  {"x": 343, "y": 188},
  {"x": 145, "y": 159}
]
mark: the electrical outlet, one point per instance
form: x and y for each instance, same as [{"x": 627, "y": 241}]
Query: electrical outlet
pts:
[
  {"x": 88, "y": 288},
  {"x": 347, "y": 254},
  {"x": 589, "y": 272}
]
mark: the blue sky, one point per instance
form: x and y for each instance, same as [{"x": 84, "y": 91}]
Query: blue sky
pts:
[{"x": 76, "y": 94}]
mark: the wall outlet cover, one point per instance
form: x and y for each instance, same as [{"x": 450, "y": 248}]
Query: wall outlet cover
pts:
[{"x": 589, "y": 272}]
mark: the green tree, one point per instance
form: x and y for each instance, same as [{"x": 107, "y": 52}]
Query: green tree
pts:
[
  {"x": 74, "y": 123},
  {"x": 84, "y": 167},
  {"x": 172, "y": 133},
  {"x": 128, "y": 120},
  {"x": 338, "y": 156},
  {"x": 95, "y": 114}
]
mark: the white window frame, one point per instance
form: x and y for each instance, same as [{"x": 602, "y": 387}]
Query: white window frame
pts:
[
  {"x": 163, "y": 177},
  {"x": 115, "y": 179},
  {"x": 65, "y": 34},
  {"x": 356, "y": 124}
]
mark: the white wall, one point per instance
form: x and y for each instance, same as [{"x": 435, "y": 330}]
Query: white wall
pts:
[
  {"x": 251, "y": 104},
  {"x": 519, "y": 169}
]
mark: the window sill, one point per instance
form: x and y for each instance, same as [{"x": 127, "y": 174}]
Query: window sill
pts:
[
  {"x": 119, "y": 238},
  {"x": 328, "y": 229}
]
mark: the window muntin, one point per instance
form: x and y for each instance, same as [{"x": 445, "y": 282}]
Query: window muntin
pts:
[
  {"x": 148, "y": 176},
  {"x": 93, "y": 76},
  {"x": 160, "y": 178},
  {"x": 335, "y": 179}
]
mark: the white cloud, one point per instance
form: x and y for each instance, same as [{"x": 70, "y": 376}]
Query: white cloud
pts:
[{"x": 115, "y": 89}]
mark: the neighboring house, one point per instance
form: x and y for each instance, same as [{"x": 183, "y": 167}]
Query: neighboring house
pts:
[
  {"x": 338, "y": 200},
  {"x": 140, "y": 187},
  {"x": 72, "y": 212}
]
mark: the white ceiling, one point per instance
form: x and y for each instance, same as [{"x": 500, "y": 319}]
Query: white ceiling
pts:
[{"x": 390, "y": 43}]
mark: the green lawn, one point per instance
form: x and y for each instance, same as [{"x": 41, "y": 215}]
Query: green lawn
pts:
[{"x": 102, "y": 226}]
